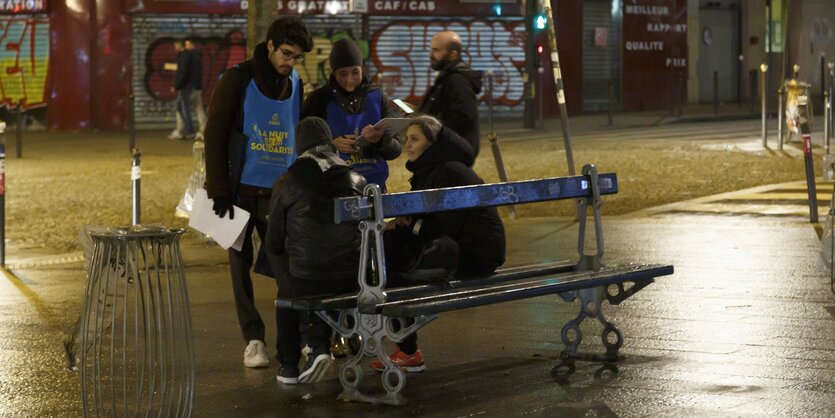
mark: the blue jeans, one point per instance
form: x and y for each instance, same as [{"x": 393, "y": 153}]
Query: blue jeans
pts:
[{"x": 184, "y": 109}]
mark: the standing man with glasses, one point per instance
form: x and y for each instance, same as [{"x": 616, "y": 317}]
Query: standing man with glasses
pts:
[
  {"x": 250, "y": 143},
  {"x": 452, "y": 97}
]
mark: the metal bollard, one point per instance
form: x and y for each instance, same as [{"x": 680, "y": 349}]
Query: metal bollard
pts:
[
  {"x": 611, "y": 102},
  {"x": 541, "y": 98},
  {"x": 136, "y": 178},
  {"x": 715, "y": 92},
  {"x": 137, "y": 345},
  {"x": 764, "y": 101},
  {"x": 781, "y": 97},
  {"x": 19, "y": 150},
  {"x": 826, "y": 121}
]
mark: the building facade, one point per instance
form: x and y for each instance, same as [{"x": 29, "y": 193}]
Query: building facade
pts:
[{"x": 79, "y": 65}]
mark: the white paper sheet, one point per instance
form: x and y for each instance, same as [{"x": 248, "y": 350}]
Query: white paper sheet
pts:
[
  {"x": 226, "y": 232},
  {"x": 393, "y": 126}
]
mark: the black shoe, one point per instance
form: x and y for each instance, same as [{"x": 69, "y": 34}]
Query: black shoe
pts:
[
  {"x": 288, "y": 375},
  {"x": 315, "y": 368}
]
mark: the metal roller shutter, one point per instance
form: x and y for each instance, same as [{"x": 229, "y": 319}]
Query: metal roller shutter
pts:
[{"x": 600, "y": 63}]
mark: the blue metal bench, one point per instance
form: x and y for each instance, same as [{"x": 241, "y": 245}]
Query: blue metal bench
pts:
[{"x": 376, "y": 314}]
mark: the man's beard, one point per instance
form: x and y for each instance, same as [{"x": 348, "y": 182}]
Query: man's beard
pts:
[{"x": 440, "y": 64}]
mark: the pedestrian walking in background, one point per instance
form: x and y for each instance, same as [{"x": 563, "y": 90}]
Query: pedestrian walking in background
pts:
[
  {"x": 183, "y": 86},
  {"x": 351, "y": 106},
  {"x": 318, "y": 256},
  {"x": 452, "y": 97},
  {"x": 195, "y": 75},
  {"x": 250, "y": 143}
]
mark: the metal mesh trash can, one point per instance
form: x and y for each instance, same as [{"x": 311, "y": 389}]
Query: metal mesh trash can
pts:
[{"x": 137, "y": 347}]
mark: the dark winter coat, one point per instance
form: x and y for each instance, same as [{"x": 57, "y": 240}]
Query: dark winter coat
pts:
[
  {"x": 478, "y": 232},
  {"x": 225, "y": 113},
  {"x": 351, "y": 103},
  {"x": 302, "y": 239},
  {"x": 189, "y": 71},
  {"x": 452, "y": 99}
]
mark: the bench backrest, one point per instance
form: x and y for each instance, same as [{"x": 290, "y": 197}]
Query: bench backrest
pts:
[{"x": 468, "y": 197}]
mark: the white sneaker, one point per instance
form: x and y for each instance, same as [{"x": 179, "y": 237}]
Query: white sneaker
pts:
[
  {"x": 255, "y": 355},
  {"x": 175, "y": 135}
]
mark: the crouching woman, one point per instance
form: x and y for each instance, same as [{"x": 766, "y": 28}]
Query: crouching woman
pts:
[{"x": 470, "y": 242}]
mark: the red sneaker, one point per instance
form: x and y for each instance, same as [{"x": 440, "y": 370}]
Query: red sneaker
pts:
[{"x": 409, "y": 363}]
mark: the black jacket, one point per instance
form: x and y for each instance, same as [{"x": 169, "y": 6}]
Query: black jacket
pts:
[
  {"x": 225, "y": 113},
  {"x": 478, "y": 232},
  {"x": 452, "y": 99},
  {"x": 352, "y": 103},
  {"x": 189, "y": 70},
  {"x": 302, "y": 239}
]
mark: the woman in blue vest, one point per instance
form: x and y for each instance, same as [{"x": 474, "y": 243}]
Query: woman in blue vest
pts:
[{"x": 351, "y": 107}]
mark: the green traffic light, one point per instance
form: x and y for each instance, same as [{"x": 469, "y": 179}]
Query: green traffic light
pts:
[{"x": 540, "y": 21}]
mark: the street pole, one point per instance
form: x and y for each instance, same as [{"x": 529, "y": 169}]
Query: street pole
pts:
[
  {"x": 769, "y": 39},
  {"x": 555, "y": 66},
  {"x": 826, "y": 122},
  {"x": 764, "y": 69},
  {"x": 831, "y": 67},
  {"x": 2, "y": 194},
  {"x": 529, "y": 116},
  {"x": 715, "y": 92}
]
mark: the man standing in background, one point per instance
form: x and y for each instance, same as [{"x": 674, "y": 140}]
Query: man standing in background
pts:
[{"x": 452, "y": 98}]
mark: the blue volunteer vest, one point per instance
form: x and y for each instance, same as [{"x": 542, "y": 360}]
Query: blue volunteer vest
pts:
[
  {"x": 366, "y": 161},
  {"x": 270, "y": 126}
]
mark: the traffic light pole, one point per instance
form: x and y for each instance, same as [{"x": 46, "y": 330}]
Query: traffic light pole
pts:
[
  {"x": 529, "y": 117},
  {"x": 555, "y": 65}
]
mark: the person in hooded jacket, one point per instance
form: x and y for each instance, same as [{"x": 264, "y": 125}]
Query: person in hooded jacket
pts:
[
  {"x": 452, "y": 97},
  {"x": 351, "y": 107},
  {"x": 469, "y": 242},
  {"x": 250, "y": 139},
  {"x": 308, "y": 252}
]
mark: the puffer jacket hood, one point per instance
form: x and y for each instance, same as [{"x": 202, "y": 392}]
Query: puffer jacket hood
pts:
[
  {"x": 461, "y": 67},
  {"x": 448, "y": 147}
]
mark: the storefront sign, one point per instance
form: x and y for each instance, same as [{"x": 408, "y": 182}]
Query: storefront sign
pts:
[
  {"x": 402, "y": 7},
  {"x": 22, "y": 6},
  {"x": 654, "y": 52}
]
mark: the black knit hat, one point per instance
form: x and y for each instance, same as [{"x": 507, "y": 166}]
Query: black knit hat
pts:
[
  {"x": 345, "y": 53},
  {"x": 310, "y": 132}
]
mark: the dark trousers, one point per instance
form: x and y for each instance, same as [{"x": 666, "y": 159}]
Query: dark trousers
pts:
[
  {"x": 184, "y": 109},
  {"x": 405, "y": 253},
  {"x": 295, "y": 326},
  {"x": 240, "y": 263}
]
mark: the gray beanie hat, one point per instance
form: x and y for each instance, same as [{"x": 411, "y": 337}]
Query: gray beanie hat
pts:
[
  {"x": 345, "y": 53},
  {"x": 311, "y": 132}
]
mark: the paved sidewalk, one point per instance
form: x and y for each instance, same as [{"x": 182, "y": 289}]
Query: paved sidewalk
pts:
[{"x": 745, "y": 327}]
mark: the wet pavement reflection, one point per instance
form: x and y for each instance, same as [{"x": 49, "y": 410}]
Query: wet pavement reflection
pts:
[{"x": 745, "y": 327}]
